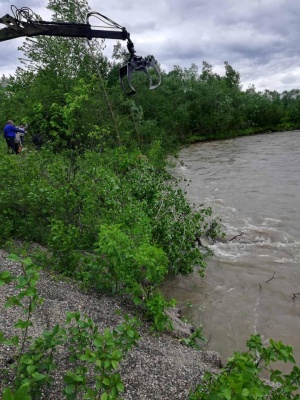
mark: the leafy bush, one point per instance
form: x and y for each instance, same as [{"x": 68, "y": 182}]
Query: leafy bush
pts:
[
  {"x": 122, "y": 266},
  {"x": 242, "y": 376},
  {"x": 34, "y": 364},
  {"x": 62, "y": 203},
  {"x": 111, "y": 219}
]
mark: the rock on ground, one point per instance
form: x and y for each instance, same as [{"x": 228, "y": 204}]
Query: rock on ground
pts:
[{"x": 159, "y": 367}]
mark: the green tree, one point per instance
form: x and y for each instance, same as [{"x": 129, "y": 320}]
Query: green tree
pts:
[{"x": 56, "y": 68}]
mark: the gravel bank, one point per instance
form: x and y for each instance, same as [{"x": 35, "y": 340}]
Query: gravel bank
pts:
[{"x": 159, "y": 367}]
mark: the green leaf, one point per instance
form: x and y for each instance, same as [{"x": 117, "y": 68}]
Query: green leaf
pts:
[
  {"x": 30, "y": 369},
  {"x": 12, "y": 301},
  {"x": 14, "y": 257},
  {"x": 245, "y": 392},
  {"x": 30, "y": 292},
  {"x": 7, "y": 394},
  {"x": 68, "y": 379},
  {"x": 90, "y": 394},
  {"x": 2, "y": 337},
  {"x": 22, "y": 324},
  {"x": 98, "y": 342},
  {"x": 15, "y": 340},
  {"x": 106, "y": 382},
  {"x": 257, "y": 392},
  {"x": 227, "y": 393},
  {"x": 130, "y": 333},
  {"x": 26, "y": 359},
  {"x": 28, "y": 262},
  {"x": 38, "y": 376},
  {"x": 5, "y": 277},
  {"x": 22, "y": 393},
  {"x": 78, "y": 378},
  {"x": 70, "y": 389},
  {"x": 120, "y": 387}
]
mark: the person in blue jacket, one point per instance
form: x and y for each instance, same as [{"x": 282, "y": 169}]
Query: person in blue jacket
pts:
[{"x": 10, "y": 134}]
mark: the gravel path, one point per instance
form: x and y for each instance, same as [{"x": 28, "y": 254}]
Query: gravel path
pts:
[{"x": 158, "y": 367}]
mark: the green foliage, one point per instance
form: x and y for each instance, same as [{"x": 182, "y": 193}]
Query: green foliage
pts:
[
  {"x": 156, "y": 153},
  {"x": 177, "y": 226},
  {"x": 124, "y": 267},
  {"x": 194, "y": 338},
  {"x": 113, "y": 221},
  {"x": 70, "y": 90},
  {"x": 62, "y": 204},
  {"x": 34, "y": 362},
  {"x": 156, "y": 306},
  {"x": 242, "y": 376},
  {"x": 63, "y": 241},
  {"x": 26, "y": 286},
  {"x": 114, "y": 264},
  {"x": 20, "y": 394},
  {"x": 104, "y": 351}
]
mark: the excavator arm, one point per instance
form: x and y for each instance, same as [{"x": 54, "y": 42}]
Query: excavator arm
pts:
[{"x": 17, "y": 27}]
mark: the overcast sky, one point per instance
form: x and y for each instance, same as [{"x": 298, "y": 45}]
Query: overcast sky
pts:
[{"x": 259, "y": 38}]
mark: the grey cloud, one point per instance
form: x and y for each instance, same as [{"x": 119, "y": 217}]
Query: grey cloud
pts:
[
  {"x": 259, "y": 38},
  {"x": 255, "y": 49},
  {"x": 5, "y": 5},
  {"x": 141, "y": 26},
  {"x": 290, "y": 80},
  {"x": 9, "y": 57},
  {"x": 183, "y": 50}
]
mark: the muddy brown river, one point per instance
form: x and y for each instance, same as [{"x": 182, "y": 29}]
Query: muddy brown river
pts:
[{"x": 252, "y": 283}]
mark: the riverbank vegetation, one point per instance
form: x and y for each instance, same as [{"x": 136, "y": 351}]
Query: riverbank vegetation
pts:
[
  {"x": 112, "y": 220},
  {"x": 95, "y": 191},
  {"x": 242, "y": 377}
]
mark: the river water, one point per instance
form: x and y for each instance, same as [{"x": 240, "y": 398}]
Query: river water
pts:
[{"x": 253, "y": 278}]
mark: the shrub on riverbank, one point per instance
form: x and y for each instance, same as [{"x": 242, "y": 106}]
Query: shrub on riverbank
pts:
[
  {"x": 112, "y": 220},
  {"x": 241, "y": 378}
]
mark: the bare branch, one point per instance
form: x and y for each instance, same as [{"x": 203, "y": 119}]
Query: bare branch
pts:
[
  {"x": 235, "y": 237},
  {"x": 273, "y": 277},
  {"x": 296, "y": 295}
]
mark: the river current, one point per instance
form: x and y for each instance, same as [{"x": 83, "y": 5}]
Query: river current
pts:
[{"x": 252, "y": 282}]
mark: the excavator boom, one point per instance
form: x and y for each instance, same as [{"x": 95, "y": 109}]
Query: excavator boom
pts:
[{"x": 16, "y": 27}]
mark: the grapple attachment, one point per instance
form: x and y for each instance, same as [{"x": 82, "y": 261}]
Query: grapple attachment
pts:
[{"x": 135, "y": 63}]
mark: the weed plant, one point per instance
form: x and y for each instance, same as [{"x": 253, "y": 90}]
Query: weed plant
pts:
[{"x": 33, "y": 365}]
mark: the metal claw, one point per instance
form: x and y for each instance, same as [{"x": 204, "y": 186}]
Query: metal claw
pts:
[
  {"x": 137, "y": 63},
  {"x": 151, "y": 63},
  {"x": 125, "y": 80}
]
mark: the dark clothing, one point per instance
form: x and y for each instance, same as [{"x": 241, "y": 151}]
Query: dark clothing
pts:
[{"x": 11, "y": 144}]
